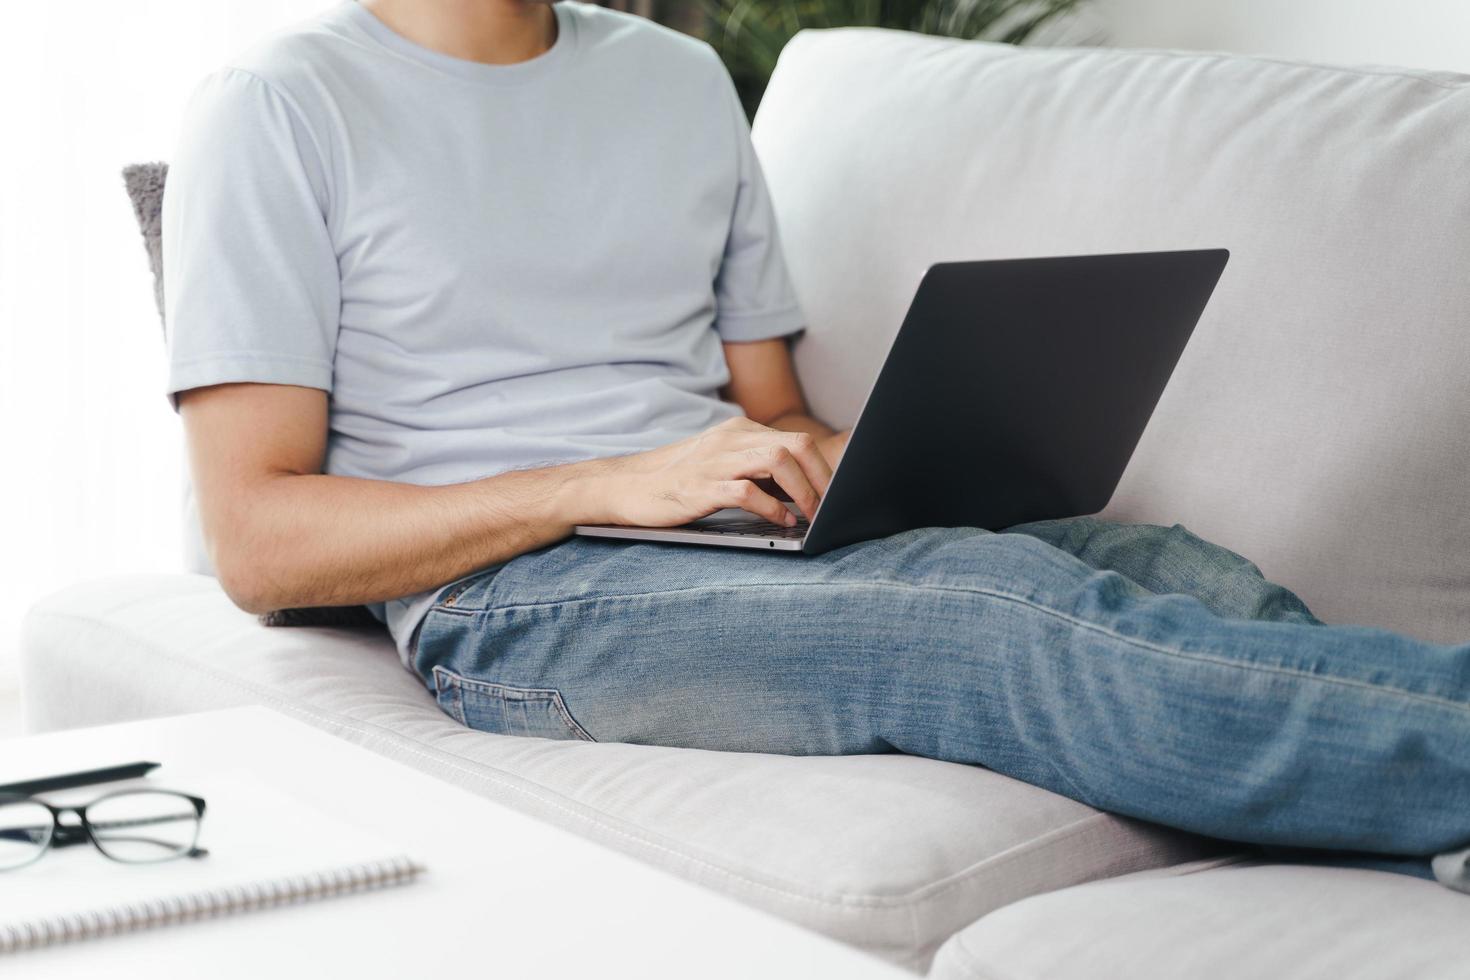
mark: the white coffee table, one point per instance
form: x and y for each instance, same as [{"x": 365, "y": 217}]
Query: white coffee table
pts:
[{"x": 505, "y": 896}]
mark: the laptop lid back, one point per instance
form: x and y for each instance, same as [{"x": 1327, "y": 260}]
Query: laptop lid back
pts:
[{"x": 1015, "y": 391}]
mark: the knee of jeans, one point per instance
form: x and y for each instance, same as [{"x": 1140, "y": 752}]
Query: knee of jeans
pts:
[
  {"x": 1109, "y": 591},
  {"x": 1068, "y": 533}
]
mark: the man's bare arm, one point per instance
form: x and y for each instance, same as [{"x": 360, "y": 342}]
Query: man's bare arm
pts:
[
  {"x": 763, "y": 383},
  {"x": 281, "y": 534}
]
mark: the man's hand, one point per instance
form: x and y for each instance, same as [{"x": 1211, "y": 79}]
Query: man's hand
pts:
[{"x": 716, "y": 469}]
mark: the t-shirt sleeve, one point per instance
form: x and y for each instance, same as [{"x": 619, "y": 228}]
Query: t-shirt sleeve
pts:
[
  {"x": 754, "y": 298},
  {"x": 251, "y": 283}
]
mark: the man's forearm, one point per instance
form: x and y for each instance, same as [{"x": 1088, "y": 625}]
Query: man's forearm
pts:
[{"x": 314, "y": 540}]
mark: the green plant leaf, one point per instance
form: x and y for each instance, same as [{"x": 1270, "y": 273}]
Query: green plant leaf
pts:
[{"x": 749, "y": 34}]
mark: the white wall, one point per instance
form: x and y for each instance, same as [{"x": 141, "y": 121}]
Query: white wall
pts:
[
  {"x": 1414, "y": 33},
  {"x": 89, "y": 459}
]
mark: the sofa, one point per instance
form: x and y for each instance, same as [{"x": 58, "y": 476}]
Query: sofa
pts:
[{"x": 1319, "y": 423}]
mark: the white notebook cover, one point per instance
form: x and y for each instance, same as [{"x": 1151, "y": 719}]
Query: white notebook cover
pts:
[{"x": 265, "y": 848}]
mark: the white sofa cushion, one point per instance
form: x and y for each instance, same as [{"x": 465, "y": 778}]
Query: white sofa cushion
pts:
[
  {"x": 1320, "y": 421},
  {"x": 1287, "y": 923},
  {"x": 890, "y": 853}
]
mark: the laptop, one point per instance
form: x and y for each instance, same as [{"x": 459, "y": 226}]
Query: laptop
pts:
[{"x": 1014, "y": 391}]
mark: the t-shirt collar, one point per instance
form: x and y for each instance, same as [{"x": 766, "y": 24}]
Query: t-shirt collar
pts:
[{"x": 560, "y": 50}]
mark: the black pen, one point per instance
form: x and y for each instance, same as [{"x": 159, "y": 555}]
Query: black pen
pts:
[{"x": 91, "y": 777}]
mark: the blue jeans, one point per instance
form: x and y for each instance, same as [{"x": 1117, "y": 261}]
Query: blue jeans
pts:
[{"x": 1137, "y": 669}]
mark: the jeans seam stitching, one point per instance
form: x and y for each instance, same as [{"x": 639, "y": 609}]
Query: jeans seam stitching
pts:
[
  {"x": 454, "y": 590},
  {"x": 454, "y": 611},
  {"x": 1239, "y": 665},
  {"x": 452, "y": 691},
  {"x": 568, "y": 720},
  {"x": 1019, "y": 600},
  {"x": 461, "y": 683}
]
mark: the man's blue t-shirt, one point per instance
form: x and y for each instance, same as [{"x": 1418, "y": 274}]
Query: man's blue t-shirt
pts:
[{"x": 487, "y": 267}]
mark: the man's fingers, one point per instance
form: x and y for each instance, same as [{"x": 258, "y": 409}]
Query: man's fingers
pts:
[
  {"x": 780, "y": 464},
  {"x": 808, "y": 453},
  {"x": 747, "y": 496},
  {"x": 800, "y": 445}
]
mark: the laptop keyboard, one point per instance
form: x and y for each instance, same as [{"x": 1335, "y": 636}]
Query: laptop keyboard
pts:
[{"x": 753, "y": 527}]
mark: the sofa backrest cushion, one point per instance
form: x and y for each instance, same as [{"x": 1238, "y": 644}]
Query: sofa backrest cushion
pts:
[
  {"x": 1319, "y": 422},
  {"x": 144, "y": 183}
]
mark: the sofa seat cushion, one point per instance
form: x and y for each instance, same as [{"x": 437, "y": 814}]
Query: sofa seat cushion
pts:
[
  {"x": 1250, "y": 920},
  {"x": 891, "y": 853}
]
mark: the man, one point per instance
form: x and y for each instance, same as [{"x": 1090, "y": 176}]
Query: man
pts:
[{"x": 449, "y": 277}]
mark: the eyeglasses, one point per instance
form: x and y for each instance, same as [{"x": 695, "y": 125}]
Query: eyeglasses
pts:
[{"x": 134, "y": 826}]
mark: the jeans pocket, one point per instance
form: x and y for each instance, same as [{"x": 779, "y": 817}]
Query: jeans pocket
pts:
[{"x": 535, "y": 712}]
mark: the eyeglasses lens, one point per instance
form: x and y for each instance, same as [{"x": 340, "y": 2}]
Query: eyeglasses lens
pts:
[
  {"x": 25, "y": 831},
  {"x": 144, "y": 826}
]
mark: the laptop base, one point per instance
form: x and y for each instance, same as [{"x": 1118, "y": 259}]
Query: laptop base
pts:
[{"x": 731, "y": 528}]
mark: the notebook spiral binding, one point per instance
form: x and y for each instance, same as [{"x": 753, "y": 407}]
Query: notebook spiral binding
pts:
[{"x": 205, "y": 904}]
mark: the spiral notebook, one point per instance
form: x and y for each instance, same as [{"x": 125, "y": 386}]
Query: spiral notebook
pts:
[{"x": 265, "y": 849}]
